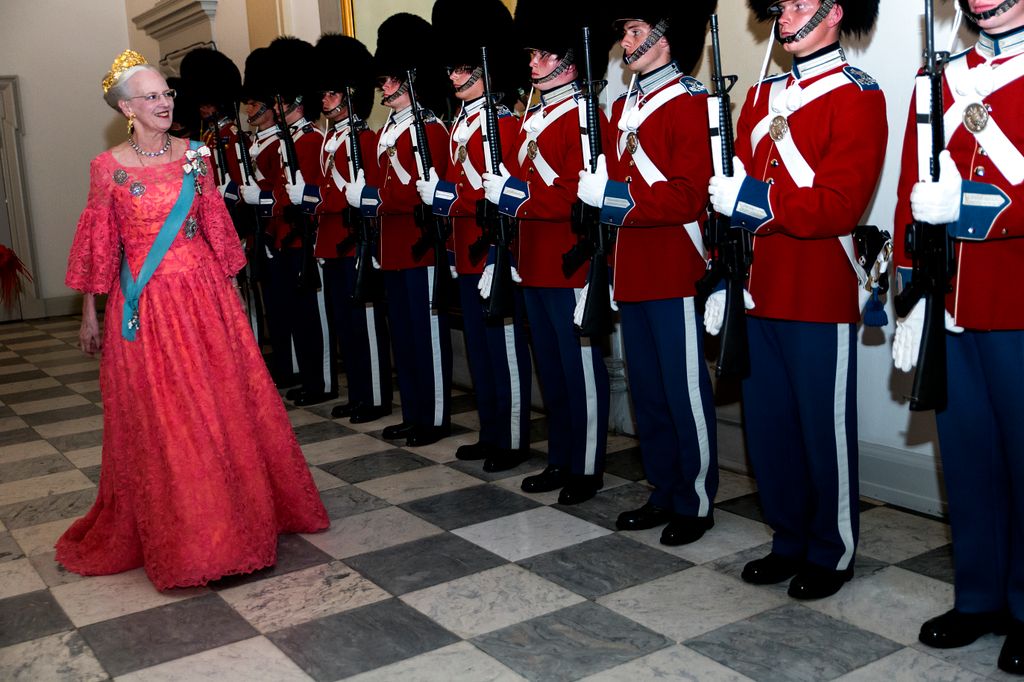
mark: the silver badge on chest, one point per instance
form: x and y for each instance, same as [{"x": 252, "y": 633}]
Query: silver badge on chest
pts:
[
  {"x": 779, "y": 128},
  {"x": 532, "y": 149},
  {"x": 632, "y": 143},
  {"x": 976, "y": 117}
]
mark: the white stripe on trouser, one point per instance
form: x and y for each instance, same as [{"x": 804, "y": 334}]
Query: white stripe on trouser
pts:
[
  {"x": 371, "y": 339},
  {"x": 590, "y": 390},
  {"x": 435, "y": 349},
  {"x": 295, "y": 357},
  {"x": 844, "y": 523},
  {"x": 512, "y": 360},
  {"x": 694, "y": 365},
  {"x": 325, "y": 333}
]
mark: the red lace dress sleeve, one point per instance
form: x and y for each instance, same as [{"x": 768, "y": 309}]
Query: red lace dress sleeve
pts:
[
  {"x": 96, "y": 250},
  {"x": 218, "y": 228}
]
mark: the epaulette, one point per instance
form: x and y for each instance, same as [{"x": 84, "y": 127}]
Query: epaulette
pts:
[
  {"x": 861, "y": 79},
  {"x": 428, "y": 116},
  {"x": 771, "y": 79},
  {"x": 693, "y": 86},
  {"x": 308, "y": 128},
  {"x": 502, "y": 111},
  {"x": 623, "y": 95},
  {"x": 962, "y": 54},
  {"x": 535, "y": 108}
]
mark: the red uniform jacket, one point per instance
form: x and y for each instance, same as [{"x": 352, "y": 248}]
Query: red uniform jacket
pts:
[
  {"x": 274, "y": 199},
  {"x": 227, "y": 133},
  {"x": 328, "y": 200}
]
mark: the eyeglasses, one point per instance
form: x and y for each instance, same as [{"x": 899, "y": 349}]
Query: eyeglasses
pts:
[
  {"x": 330, "y": 93},
  {"x": 539, "y": 55},
  {"x": 800, "y": 7},
  {"x": 154, "y": 96},
  {"x": 461, "y": 69}
]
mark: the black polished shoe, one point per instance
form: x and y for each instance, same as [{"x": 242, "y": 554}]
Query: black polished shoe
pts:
[
  {"x": 474, "y": 451},
  {"x": 682, "y": 530},
  {"x": 770, "y": 570},
  {"x": 502, "y": 459},
  {"x": 1011, "y": 656},
  {"x": 815, "y": 582},
  {"x": 647, "y": 516},
  {"x": 955, "y": 629},
  {"x": 307, "y": 399},
  {"x": 580, "y": 489},
  {"x": 343, "y": 410},
  {"x": 427, "y": 435},
  {"x": 369, "y": 413},
  {"x": 552, "y": 478},
  {"x": 397, "y": 431},
  {"x": 294, "y": 393}
]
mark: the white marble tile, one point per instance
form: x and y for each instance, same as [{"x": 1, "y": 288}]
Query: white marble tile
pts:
[
  {"x": 618, "y": 442},
  {"x": 515, "y": 483},
  {"x": 301, "y": 596},
  {"x": 323, "y": 480},
  {"x": 691, "y": 602},
  {"x": 85, "y": 386},
  {"x": 62, "y": 370},
  {"x": 452, "y": 663},
  {"x": 412, "y": 485},
  {"x": 103, "y": 597},
  {"x": 371, "y": 531},
  {"x": 18, "y": 577},
  {"x": 43, "y": 486},
  {"x": 68, "y": 336},
  {"x": 29, "y": 345},
  {"x": 34, "y": 406},
  {"x": 12, "y": 336},
  {"x": 345, "y": 447},
  {"x": 7, "y": 355},
  {"x": 251, "y": 660},
  {"x": 27, "y": 385},
  {"x": 59, "y": 354},
  {"x": 64, "y": 656},
  {"x": 12, "y": 423},
  {"x": 979, "y": 658},
  {"x": 910, "y": 665},
  {"x": 376, "y": 425},
  {"x": 892, "y": 602},
  {"x": 40, "y": 538},
  {"x": 892, "y": 535},
  {"x": 70, "y": 426},
  {"x": 731, "y": 534},
  {"x": 540, "y": 446},
  {"x": 471, "y": 420},
  {"x": 444, "y": 451},
  {"x": 2, "y": 527},
  {"x": 20, "y": 451},
  {"x": 531, "y": 532},
  {"x": 732, "y": 485},
  {"x": 490, "y": 600},
  {"x": 86, "y": 457},
  {"x": 16, "y": 369},
  {"x": 302, "y": 417},
  {"x": 51, "y": 572},
  {"x": 674, "y": 663}
]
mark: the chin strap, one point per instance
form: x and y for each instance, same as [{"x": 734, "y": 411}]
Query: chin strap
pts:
[
  {"x": 812, "y": 23},
  {"x": 471, "y": 81},
  {"x": 559, "y": 69},
  {"x": 994, "y": 12},
  {"x": 259, "y": 113},
  {"x": 656, "y": 34},
  {"x": 402, "y": 89}
]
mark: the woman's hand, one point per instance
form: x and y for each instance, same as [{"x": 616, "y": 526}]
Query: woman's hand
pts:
[{"x": 90, "y": 339}]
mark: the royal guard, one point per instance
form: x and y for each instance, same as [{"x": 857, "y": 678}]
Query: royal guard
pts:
[
  {"x": 537, "y": 186},
  {"x": 978, "y": 199},
  {"x": 651, "y": 182},
  {"x": 499, "y": 358},
  {"x": 809, "y": 150},
  {"x": 386, "y": 193}
]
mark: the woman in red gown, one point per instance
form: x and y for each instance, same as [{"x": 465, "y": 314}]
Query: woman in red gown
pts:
[{"x": 201, "y": 469}]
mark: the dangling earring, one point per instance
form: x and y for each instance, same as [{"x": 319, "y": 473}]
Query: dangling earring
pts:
[{"x": 131, "y": 125}]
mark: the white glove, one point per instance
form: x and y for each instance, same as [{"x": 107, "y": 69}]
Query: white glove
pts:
[
  {"x": 455, "y": 273},
  {"x": 938, "y": 203},
  {"x": 354, "y": 190},
  {"x": 374, "y": 263},
  {"x": 296, "y": 190},
  {"x": 725, "y": 190},
  {"x": 494, "y": 183},
  {"x": 250, "y": 194},
  {"x": 487, "y": 280},
  {"x": 592, "y": 185},
  {"x": 577, "y": 314},
  {"x": 714, "y": 310},
  {"x": 906, "y": 342},
  {"x": 426, "y": 188},
  {"x": 222, "y": 189}
]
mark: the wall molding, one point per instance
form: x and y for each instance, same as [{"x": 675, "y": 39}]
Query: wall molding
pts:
[{"x": 171, "y": 16}]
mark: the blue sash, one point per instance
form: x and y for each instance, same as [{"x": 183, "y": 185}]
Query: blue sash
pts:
[{"x": 131, "y": 288}]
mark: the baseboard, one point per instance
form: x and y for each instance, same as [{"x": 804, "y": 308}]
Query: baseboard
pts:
[{"x": 907, "y": 479}]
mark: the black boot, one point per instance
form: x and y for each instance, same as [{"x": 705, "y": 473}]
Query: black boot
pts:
[
  {"x": 397, "y": 431},
  {"x": 1011, "y": 657},
  {"x": 580, "y": 489},
  {"x": 502, "y": 459},
  {"x": 955, "y": 629},
  {"x": 427, "y": 435},
  {"x": 770, "y": 570},
  {"x": 552, "y": 478},
  {"x": 369, "y": 413},
  {"x": 647, "y": 516},
  {"x": 682, "y": 530},
  {"x": 816, "y": 582},
  {"x": 474, "y": 451},
  {"x": 343, "y": 410}
]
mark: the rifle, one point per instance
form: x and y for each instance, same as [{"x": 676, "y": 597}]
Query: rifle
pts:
[
  {"x": 586, "y": 220},
  {"x": 436, "y": 229},
  {"x": 249, "y": 176},
  {"x": 365, "y": 232},
  {"x": 730, "y": 250},
  {"x": 501, "y": 228},
  {"x": 210, "y": 123},
  {"x": 929, "y": 246},
  {"x": 309, "y": 276}
]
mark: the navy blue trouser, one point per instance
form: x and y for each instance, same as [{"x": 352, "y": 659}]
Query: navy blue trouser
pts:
[
  {"x": 278, "y": 293},
  {"x": 672, "y": 397},
  {"x": 981, "y": 437},
  {"x": 573, "y": 379},
  {"x": 800, "y": 414},
  {"x": 499, "y": 363}
]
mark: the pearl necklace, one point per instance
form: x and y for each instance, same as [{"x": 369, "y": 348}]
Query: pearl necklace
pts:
[{"x": 138, "y": 150}]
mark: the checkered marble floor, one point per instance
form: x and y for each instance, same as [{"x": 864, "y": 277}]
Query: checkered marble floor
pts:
[{"x": 435, "y": 570}]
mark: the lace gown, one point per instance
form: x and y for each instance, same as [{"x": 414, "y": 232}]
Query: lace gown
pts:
[{"x": 201, "y": 469}]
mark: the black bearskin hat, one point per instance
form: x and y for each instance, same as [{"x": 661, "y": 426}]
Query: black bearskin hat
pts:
[
  {"x": 291, "y": 76},
  {"x": 405, "y": 41},
  {"x": 257, "y": 86},
  {"x": 558, "y": 27},
  {"x": 343, "y": 61},
  {"x": 859, "y": 16},
  {"x": 212, "y": 78},
  {"x": 688, "y": 25}
]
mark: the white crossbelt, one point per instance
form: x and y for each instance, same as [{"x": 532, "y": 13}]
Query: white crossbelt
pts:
[
  {"x": 534, "y": 126},
  {"x": 460, "y": 137},
  {"x": 390, "y": 139}
]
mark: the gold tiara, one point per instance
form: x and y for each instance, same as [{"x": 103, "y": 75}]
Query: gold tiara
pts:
[{"x": 124, "y": 61}]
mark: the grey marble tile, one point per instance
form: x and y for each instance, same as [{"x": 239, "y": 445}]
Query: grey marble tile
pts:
[
  {"x": 37, "y": 394},
  {"x": 792, "y": 643},
  {"x": 24, "y": 376},
  {"x": 17, "y": 436},
  {"x": 626, "y": 464},
  {"x": 51, "y": 416},
  {"x": 10, "y": 550},
  {"x": 376, "y": 465},
  {"x": 56, "y": 358},
  {"x": 936, "y": 563},
  {"x": 570, "y": 643},
  {"x": 538, "y": 430},
  {"x": 5, "y": 411},
  {"x": 46, "y": 509},
  {"x": 92, "y": 473},
  {"x": 250, "y": 660},
  {"x": 423, "y": 563},
  {"x": 36, "y": 466},
  {"x": 606, "y": 506},
  {"x": 294, "y": 553},
  {"x": 910, "y": 665},
  {"x": 93, "y": 397},
  {"x": 461, "y": 661},
  {"x": 62, "y": 656},
  {"x": 463, "y": 403},
  {"x": 604, "y": 565},
  {"x": 362, "y": 639},
  {"x": 979, "y": 657},
  {"x": 77, "y": 377},
  {"x": 537, "y": 460},
  {"x": 30, "y": 616},
  {"x": 77, "y": 441},
  {"x": 468, "y": 506},
  {"x": 312, "y": 433},
  {"x": 744, "y": 505},
  {"x": 349, "y": 500},
  {"x": 143, "y": 639},
  {"x": 52, "y": 573}
]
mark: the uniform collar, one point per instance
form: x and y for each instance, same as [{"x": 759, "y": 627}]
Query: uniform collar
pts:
[
  {"x": 400, "y": 117},
  {"x": 649, "y": 82},
  {"x": 298, "y": 125},
  {"x": 1002, "y": 45},
  {"x": 470, "y": 108},
  {"x": 223, "y": 122},
  {"x": 559, "y": 94},
  {"x": 264, "y": 134},
  {"x": 819, "y": 62},
  {"x": 341, "y": 126}
]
